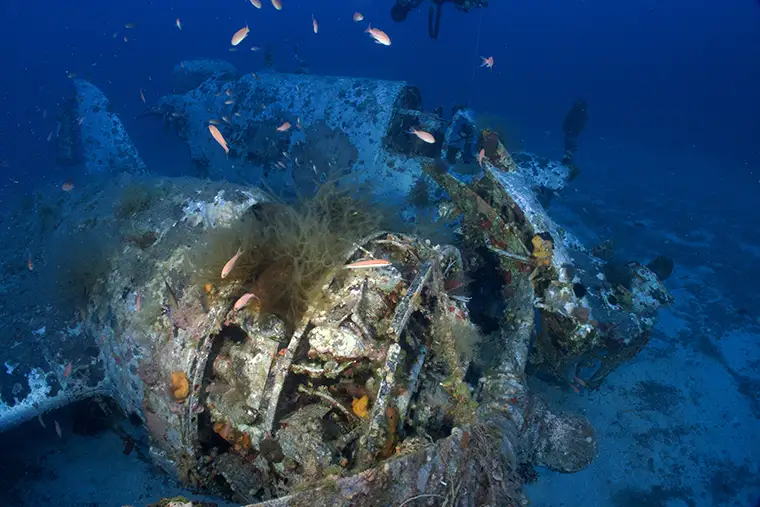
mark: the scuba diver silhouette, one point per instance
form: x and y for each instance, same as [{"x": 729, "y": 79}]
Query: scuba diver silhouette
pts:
[{"x": 402, "y": 8}]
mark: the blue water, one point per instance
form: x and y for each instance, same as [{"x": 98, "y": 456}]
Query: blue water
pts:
[{"x": 673, "y": 139}]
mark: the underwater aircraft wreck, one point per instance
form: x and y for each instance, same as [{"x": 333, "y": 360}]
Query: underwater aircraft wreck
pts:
[{"x": 338, "y": 361}]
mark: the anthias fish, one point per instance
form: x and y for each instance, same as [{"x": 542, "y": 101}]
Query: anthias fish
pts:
[
  {"x": 379, "y": 36},
  {"x": 231, "y": 263},
  {"x": 424, "y": 136},
  {"x": 218, "y": 137},
  {"x": 240, "y": 35}
]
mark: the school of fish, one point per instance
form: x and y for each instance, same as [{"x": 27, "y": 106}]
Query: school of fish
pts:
[{"x": 379, "y": 36}]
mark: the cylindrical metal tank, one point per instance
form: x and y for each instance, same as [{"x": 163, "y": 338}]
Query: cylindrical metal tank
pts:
[{"x": 293, "y": 129}]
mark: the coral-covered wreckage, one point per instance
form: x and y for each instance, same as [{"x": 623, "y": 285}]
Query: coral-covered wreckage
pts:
[{"x": 332, "y": 386}]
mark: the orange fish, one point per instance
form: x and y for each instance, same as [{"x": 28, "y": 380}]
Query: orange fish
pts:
[
  {"x": 67, "y": 370},
  {"x": 314, "y": 24},
  {"x": 358, "y": 16},
  {"x": 142, "y": 95},
  {"x": 219, "y": 138},
  {"x": 379, "y": 36},
  {"x": 487, "y": 62},
  {"x": 284, "y": 127},
  {"x": 425, "y": 136},
  {"x": 243, "y": 301},
  {"x": 240, "y": 35},
  {"x": 481, "y": 156},
  {"x": 368, "y": 263},
  {"x": 138, "y": 300},
  {"x": 277, "y": 4},
  {"x": 231, "y": 263},
  {"x": 256, "y": 3},
  {"x": 30, "y": 263},
  {"x": 67, "y": 187}
]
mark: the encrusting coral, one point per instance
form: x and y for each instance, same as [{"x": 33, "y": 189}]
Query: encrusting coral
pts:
[{"x": 180, "y": 386}]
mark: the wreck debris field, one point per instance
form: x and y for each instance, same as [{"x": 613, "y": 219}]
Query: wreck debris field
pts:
[{"x": 393, "y": 253}]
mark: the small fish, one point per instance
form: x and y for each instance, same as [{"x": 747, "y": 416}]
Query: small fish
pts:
[
  {"x": 226, "y": 119},
  {"x": 71, "y": 75},
  {"x": 130, "y": 25},
  {"x": 30, "y": 263},
  {"x": 67, "y": 187},
  {"x": 487, "y": 62},
  {"x": 228, "y": 92},
  {"x": 358, "y": 16},
  {"x": 277, "y": 4},
  {"x": 243, "y": 301},
  {"x": 42, "y": 423},
  {"x": 229, "y": 102},
  {"x": 58, "y": 429},
  {"x": 50, "y": 136},
  {"x": 256, "y": 3},
  {"x": 178, "y": 23},
  {"x": 214, "y": 122},
  {"x": 219, "y": 138},
  {"x": 424, "y": 136},
  {"x": 142, "y": 95},
  {"x": 129, "y": 445},
  {"x": 231, "y": 263},
  {"x": 126, "y": 39},
  {"x": 314, "y": 24},
  {"x": 368, "y": 263},
  {"x": 255, "y": 48},
  {"x": 173, "y": 302},
  {"x": 284, "y": 127},
  {"x": 115, "y": 34},
  {"x": 232, "y": 50},
  {"x": 298, "y": 122},
  {"x": 138, "y": 300},
  {"x": 240, "y": 35},
  {"x": 379, "y": 36},
  {"x": 481, "y": 156},
  {"x": 67, "y": 370}
]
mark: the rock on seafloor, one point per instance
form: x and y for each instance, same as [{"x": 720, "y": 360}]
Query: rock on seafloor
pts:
[{"x": 106, "y": 146}]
